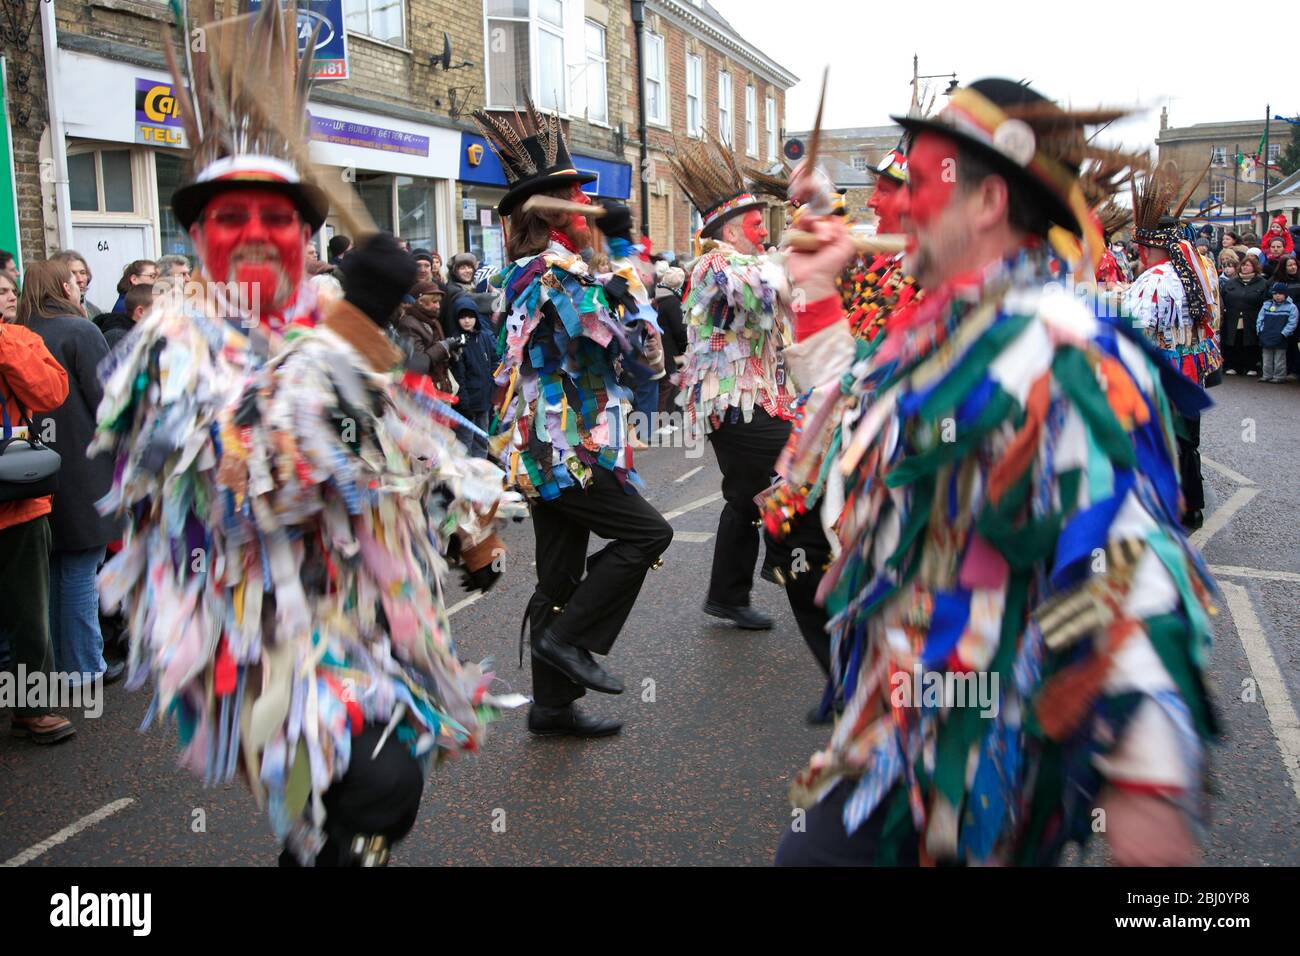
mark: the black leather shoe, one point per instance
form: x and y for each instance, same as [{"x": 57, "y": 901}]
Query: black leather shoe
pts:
[
  {"x": 569, "y": 722},
  {"x": 816, "y": 718},
  {"x": 114, "y": 672},
  {"x": 575, "y": 663},
  {"x": 748, "y": 618},
  {"x": 1193, "y": 520}
]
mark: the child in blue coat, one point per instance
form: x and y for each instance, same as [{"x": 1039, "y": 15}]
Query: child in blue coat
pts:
[{"x": 1277, "y": 320}]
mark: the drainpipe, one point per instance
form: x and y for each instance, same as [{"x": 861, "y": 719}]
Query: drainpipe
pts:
[
  {"x": 638, "y": 20},
  {"x": 58, "y": 141}
]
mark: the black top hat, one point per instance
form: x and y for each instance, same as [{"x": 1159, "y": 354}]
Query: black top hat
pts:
[
  {"x": 250, "y": 171},
  {"x": 535, "y": 162},
  {"x": 1037, "y": 146}
]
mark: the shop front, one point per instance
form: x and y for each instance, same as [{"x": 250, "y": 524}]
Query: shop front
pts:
[
  {"x": 126, "y": 158},
  {"x": 483, "y": 185}
]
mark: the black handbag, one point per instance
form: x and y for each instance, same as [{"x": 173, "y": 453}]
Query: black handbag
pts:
[{"x": 28, "y": 467}]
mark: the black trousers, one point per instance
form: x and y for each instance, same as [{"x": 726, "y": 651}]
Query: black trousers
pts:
[
  {"x": 378, "y": 796},
  {"x": 747, "y": 453},
  {"x": 822, "y": 840},
  {"x": 802, "y": 556},
  {"x": 25, "y": 573},
  {"x": 1189, "y": 465},
  {"x": 596, "y": 593}
]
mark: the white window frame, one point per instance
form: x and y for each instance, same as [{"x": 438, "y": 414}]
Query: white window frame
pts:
[
  {"x": 400, "y": 43},
  {"x": 1219, "y": 156},
  {"x": 695, "y": 79},
  {"x": 751, "y": 120},
  {"x": 860, "y": 164},
  {"x": 600, "y": 64},
  {"x": 770, "y": 119},
  {"x": 654, "y": 42},
  {"x": 141, "y": 185},
  {"x": 1218, "y": 189},
  {"x": 726, "y": 109},
  {"x": 536, "y": 26},
  {"x": 1274, "y": 153}
]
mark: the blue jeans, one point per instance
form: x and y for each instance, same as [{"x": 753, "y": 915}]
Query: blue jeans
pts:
[{"x": 74, "y": 612}]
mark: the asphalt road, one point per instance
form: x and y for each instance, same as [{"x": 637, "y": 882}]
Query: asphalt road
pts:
[{"x": 714, "y": 716}]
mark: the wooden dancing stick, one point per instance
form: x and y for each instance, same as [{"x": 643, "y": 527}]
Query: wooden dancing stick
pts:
[
  {"x": 807, "y": 242},
  {"x": 815, "y": 137},
  {"x": 541, "y": 203}
]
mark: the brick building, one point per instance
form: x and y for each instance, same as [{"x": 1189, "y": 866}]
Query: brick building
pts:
[
  {"x": 398, "y": 127},
  {"x": 1217, "y": 143},
  {"x": 700, "y": 78}
]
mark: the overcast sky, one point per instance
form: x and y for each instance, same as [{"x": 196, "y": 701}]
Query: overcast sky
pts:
[{"x": 1085, "y": 55}]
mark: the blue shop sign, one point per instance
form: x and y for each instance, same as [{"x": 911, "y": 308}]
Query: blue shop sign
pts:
[{"x": 481, "y": 166}]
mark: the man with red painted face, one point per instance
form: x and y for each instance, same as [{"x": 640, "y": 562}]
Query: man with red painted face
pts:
[
  {"x": 733, "y": 384},
  {"x": 875, "y": 290},
  {"x": 289, "y": 506},
  {"x": 559, "y": 422},
  {"x": 1003, "y": 494}
]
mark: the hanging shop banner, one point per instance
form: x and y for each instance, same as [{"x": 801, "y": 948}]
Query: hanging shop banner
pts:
[
  {"x": 346, "y": 133},
  {"x": 157, "y": 115},
  {"x": 9, "y": 237},
  {"x": 330, "y": 60}
]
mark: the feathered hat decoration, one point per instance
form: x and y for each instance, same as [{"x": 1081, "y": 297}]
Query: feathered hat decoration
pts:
[
  {"x": 245, "y": 91},
  {"x": 1159, "y": 199},
  {"x": 533, "y": 153},
  {"x": 707, "y": 171}
]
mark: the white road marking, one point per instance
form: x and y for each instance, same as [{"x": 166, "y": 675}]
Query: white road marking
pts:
[
  {"x": 1227, "y": 472},
  {"x": 1281, "y": 712},
  {"x": 692, "y": 537},
  {"x": 692, "y": 505},
  {"x": 1240, "y": 498},
  {"x": 690, "y": 474},
  {"x": 68, "y": 832},
  {"x": 1258, "y": 574},
  {"x": 465, "y": 602}
]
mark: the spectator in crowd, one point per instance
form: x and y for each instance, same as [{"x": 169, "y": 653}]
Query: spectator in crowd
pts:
[
  {"x": 1228, "y": 265},
  {"x": 424, "y": 263},
  {"x": 76, "y": 262},
  {"x": 1275, "y": 251},
  {"x": 460, "y": 278},
  {"x": 1231, "y": 240},
  {"x": 1243, "y": 295},
  {"x": 1203, "y": 247},
  {"x": 473, "y": 364},
  {"x": 338, "y": 247},
  {"x": 176, "y": 268},
  {"x": 138, "y": 272},
  {"x": 8, "y": 298},
  {"x": 138, "y": 302},
  {"x": 1277, "y": 319},
  {"x": 420, "y": 329},
  {"x": 31, "y": 382},
  {"x": 9, "y": 266},
  {"x": 79, "y": 534},
  {"x": 1291, "y": 276},
  {"x": 312, "y": 254},
  {"x": 668, "y": 303},
  {"x": 438, "y": 275},
  {"x": 1277, "y": 230},
  {"x": 327, "y": 286}
]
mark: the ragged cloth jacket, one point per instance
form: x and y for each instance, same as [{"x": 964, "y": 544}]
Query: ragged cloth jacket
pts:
[
  {"x": 1017, "y": 617},
  {"x": 1165, "y": 306},
  {"x": 560, "y": 412},
  {"x": 737, "y": 324},
  {"x": 289, "y": 521}
]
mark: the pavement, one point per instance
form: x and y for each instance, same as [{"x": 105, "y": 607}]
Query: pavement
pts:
[{"x": 714, "y": 716}]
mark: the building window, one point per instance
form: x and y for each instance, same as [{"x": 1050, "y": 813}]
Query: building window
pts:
[
  {"x": 169, "y": 172},
  {"x": 656, "y": 102},
  {"x": 1274, "y": 149},
  {"x": 725, "y": 101},
  {"x": 694, "y": 95},
  {"x": 417, "y": 218},
  {"x": 525, "y": 52},
  {"x": 751, "y": 121},
  {"x": 1219, "y": 156},
  {"x": 860, "y": 163},
  {"x": 100, "y": 181},
  {"x": 1218, "y": 189},
  {"x": 771, "y": 127},
  {"x": 597, "y": 68},
  {"x": 383, "y": 20}
]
